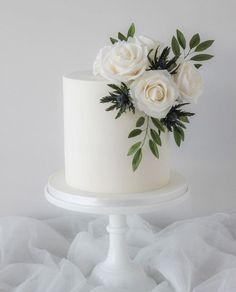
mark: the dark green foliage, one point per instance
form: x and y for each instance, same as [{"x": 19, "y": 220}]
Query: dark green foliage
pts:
[
  {"x": 163, "y": 62},
  {"x": 204, "y": 45},
  {"x": 140, "y": 122},
  {"x": 181, "y": 39},
  {"x": 202, "y": 57},
  {"x": 137, "y": 159},
  {"x": 155, "y": 137},
  {"x": 198, "y": 65},
  {"x": 135, "y": 133},
  {"x": 131, "y": 31},
  {"x": 153, "y": 148},
  {"x": 195, "y": 46},
  {"x": 157, "y": 123},
  {"x": 195, "y": 40},
  {"x": 147, "y": 131},
  {"x": 175, "y": 46},
  {"x": 113, "y": 41},
  {"x": 122, "y": 37},
  {"x": 134, "y": 148},
  {"x": 120, "y": 99},
  {"x": 174, "y": 121}
]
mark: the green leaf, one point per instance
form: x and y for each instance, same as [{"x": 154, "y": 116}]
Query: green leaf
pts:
[
  {"x": 114, "y": 86},
  {"x": 202, "y": 57},
  {"x": 181, "y": 39},
  {"x": 204, "y": 45},
  {"x": 198, "y": 65},
  {"x": 121, "y": 37},
  {"x": 158, "y": 124},
  {"x": 110, "y": 108},
  {"x": 140, "y": 122},
  {"x": 182, "y": 125},
  {"x": 155, "y": 136},
  {"x": 153, "y": 148},
  {"x": 195, "y": 40},
  {"x": 131, "y": 31},
  {"x": 177, "y": 137},
  {"x": 137, "y": 159},
  {"x": 134, "y": 133},
  {"x": 134, "y": 148},
  {"x": 184, "y": 119},
  {"x": 187, "y": 114},
  {"x": 181, "y": 131},
  {"x": 175, "y": 46},
  {"x": 113, "y": 41}
]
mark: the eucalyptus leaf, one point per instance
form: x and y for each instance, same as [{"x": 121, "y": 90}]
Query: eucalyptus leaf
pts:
[
  {"x": 181, "y": 132},
  {"x": 153, "y": 148},
  {"x": 140, "y": 122},
  {"x": 181, "y": 39},
  {"x": 121, "y": 37},
  {"x": 135, "y": 133},
  {"x": 198, "y": 65},
  {"x": 177, "y": 137},
  {"x": 113, "y": 41},
  {"x": 131, "y": 31},
  {"x": 204, "y": 45},
  {"x": 158, "y": 124},
  {"x": 175, "y": 46},
  {"x": 195, "y": 40},
  {"x": 184, "y": 119},
  {"x": 137, "y": 159},
  {"x": 202, "y": 57},
  {"x": 134, "y": 148},
  {"x": 155, "y": 136},
  {"x": 182, "y": 125}
]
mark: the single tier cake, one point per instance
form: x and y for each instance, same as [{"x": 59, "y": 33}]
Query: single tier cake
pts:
[
  {"x": 96, "y": 144},
  {"x": 118, "y": 118}
]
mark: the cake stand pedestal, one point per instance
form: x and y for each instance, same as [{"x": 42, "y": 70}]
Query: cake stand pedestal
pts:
[{"x": 118, "y": 270}]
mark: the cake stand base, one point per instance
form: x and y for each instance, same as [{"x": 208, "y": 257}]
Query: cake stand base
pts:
[{"x": 118, "y": 270}]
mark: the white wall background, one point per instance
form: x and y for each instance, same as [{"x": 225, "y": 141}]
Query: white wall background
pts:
[{"x": 41, "y": 40}]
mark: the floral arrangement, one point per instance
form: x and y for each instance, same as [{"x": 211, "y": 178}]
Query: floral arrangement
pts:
[{"x": 156, "y": 79}]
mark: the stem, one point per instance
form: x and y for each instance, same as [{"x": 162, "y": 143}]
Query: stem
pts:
[{"x": 189, "y": 53}]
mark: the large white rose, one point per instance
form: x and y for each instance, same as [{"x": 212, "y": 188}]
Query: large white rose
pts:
[
  {"x": 154, "y": 93},
  {"x": 123, "y": 61},
  {"x": 150, "y": 43},
  {"x": 189, "y": 82}
]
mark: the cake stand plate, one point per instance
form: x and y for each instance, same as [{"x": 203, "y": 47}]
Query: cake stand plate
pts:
[{"x": 117, "y": 271}]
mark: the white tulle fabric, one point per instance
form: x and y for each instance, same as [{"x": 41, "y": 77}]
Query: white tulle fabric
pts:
[{"x": 57, "y": 255}]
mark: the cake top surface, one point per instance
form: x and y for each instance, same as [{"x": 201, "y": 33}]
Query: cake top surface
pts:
[{"x": 83, "y": 75}]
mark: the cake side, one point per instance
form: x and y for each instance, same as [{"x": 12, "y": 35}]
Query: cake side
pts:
[{"x": 96, "y": 144}]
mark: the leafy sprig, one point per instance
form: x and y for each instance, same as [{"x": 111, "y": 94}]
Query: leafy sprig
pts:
[
  {"x": 122, "y": 37},
  {"x": 119, "y": 98},
  {"x": 162, "y": 62},
  {"x": 175, "y": 122},
  {"x": 151, "y": 129},
  {"x": 179, "y": 45}
]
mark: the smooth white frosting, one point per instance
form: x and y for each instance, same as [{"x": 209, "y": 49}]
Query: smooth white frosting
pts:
[{"x": 96, "y": 144}]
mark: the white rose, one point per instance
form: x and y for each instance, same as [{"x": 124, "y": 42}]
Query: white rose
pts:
[
  {"x": 150, "y": 43},
  {"x": 189, "y": 82},
  {"x": 154, "y": 93},
  {"x": 123, "y": 61}
]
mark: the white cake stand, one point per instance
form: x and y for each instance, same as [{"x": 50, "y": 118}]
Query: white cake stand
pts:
[{"x": 117, "y": 270}]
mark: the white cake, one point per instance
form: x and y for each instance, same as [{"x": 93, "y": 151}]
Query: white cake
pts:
[{"x": 96, "y": 144}]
